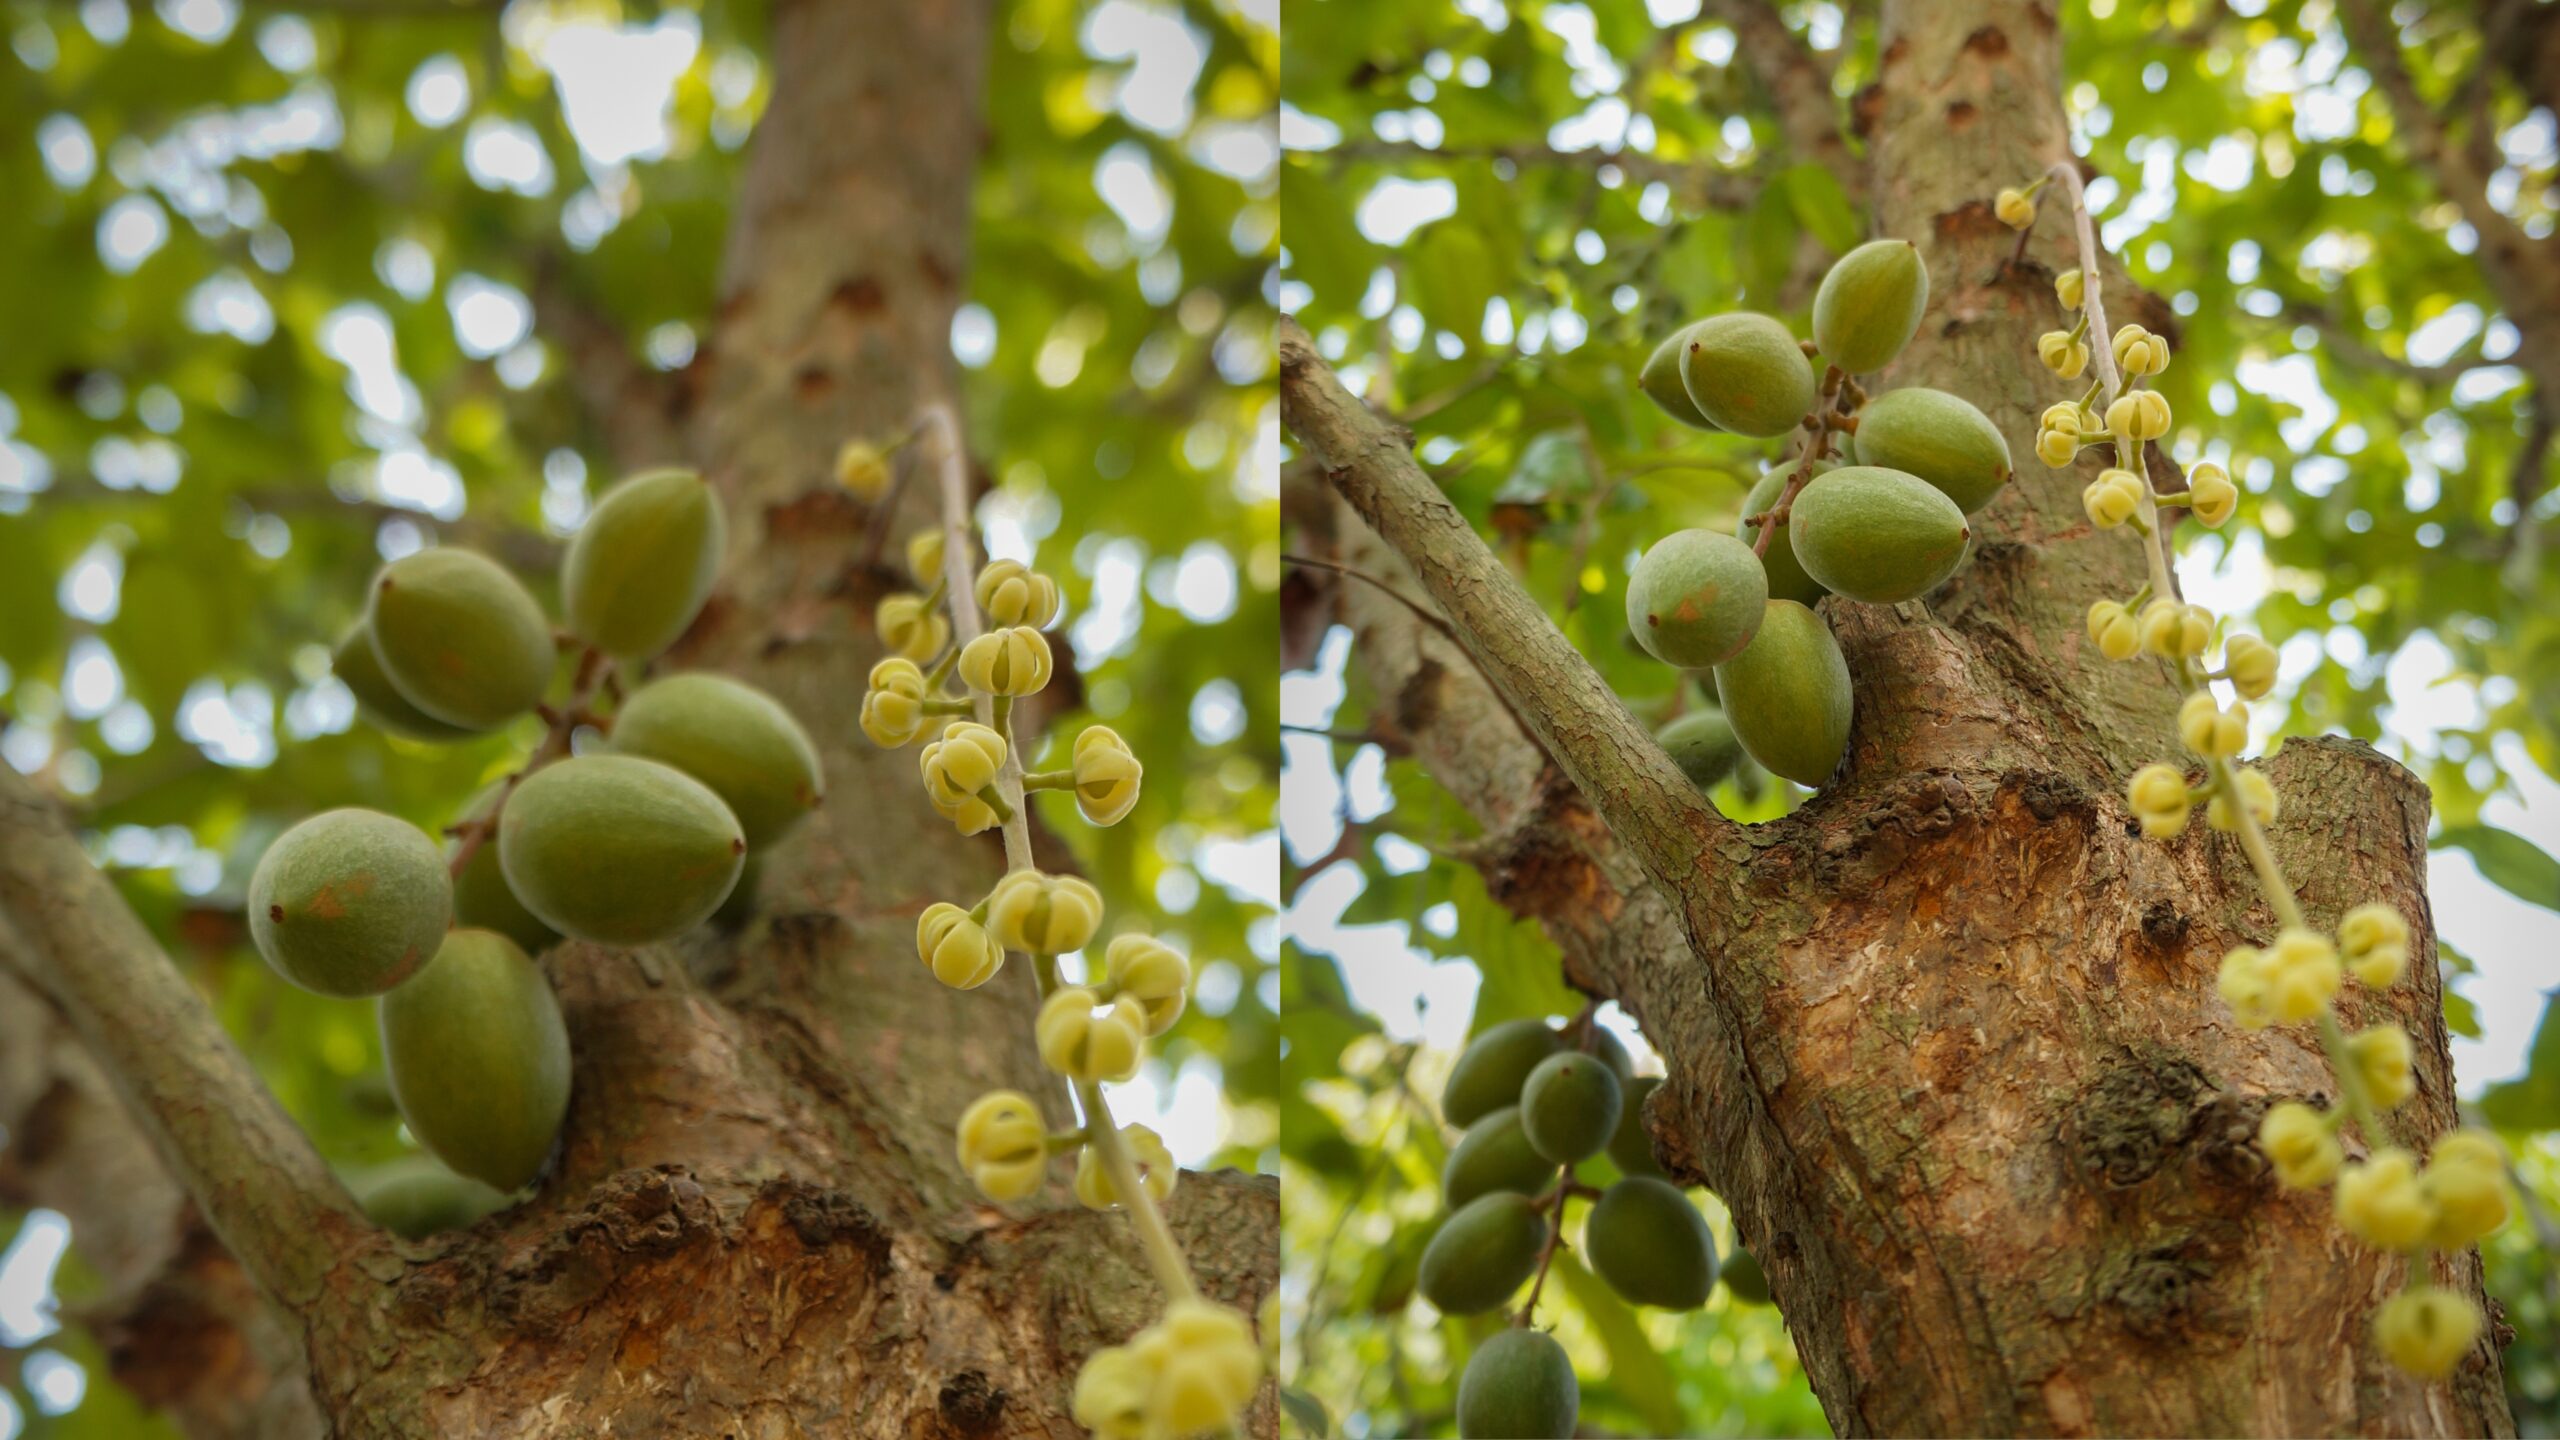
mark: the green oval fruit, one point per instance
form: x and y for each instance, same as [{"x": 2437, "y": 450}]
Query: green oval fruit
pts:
[
  {"x": 1629, "y": 1145},
  {"x": 377, "y": 699},
  {"x": 1695, "y": 598},
  {"x": 1494, "y": 1155},
  {"x": 1651, "y": 1244},
  {"x": 1701, "y": 743},
  {"x": 1660, "y": 380},
  {"x": 1482, "y": 1254},
  {"x": 460, "y": 638},
  {"x": 1939, "y": 437},
  {"x": 1746, "y": 373},
  {"x": 732, "y": 737},
  {"x": 1519, "y": 1385},
  {"x": 479, "y": 1058},
  {"x": 1878, "y": 535},
  {"x": 1493, "y": 1067},
  {"x": 482, "y": 898},
  {"x": 1613, "y": 1053},
  {"x": 1870, "y": 304},
  {"x": 1570, "y": 1106},
  {"x": 1744, "y": 1279},
  {"x": 350, "y": 902},
  {"x": 1785, "y": 574},
  {"x": 619, "y": 850},
  {"x": 416, "y": 1197},
  {"x": 1787, "y": 695},
  {"x": 639, "y": 569}
]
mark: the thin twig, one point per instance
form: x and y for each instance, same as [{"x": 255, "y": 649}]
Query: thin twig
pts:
[{"x": 594, "y": 671}]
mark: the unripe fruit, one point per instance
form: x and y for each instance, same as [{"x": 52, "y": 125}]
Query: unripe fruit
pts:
[
  {"x": 1746, "y": 373},
  {"x": 1744, "y": 1279},
  {"x": 1492, "y": 1069},
  {"x": 1570, "y": 1106},
  {"x": 2300, "y": 1145},
  {"x": 1695, "y": 598},
  {"x": 1939, "y": 437},
  {"x": 350, "y": 902},
  {"x": 1787, "y": 695},
  {"x": 1785, "y": 574},
  {"x": 415, "y": 1197},
  {"x": 2426, "y": 1330},
  {"x": 479, "y": 1058},
  {"x": 732, "y": 737},
  {"x": 481, "y": 897},
  {"x": 1630, "y": 1146},
  {"x": 1494, "y": 1155},
  {"x": 619, "y": 850},
  {"x": 377, "y": 699},
  {"x": 2381, "y": 1059},
  {"x": 459, "y": 637},
  {"x": 1870, "y": 304},
  {"x": 1613, "y": 1053},
  {"x": 1701, "y": 743},
  {"x": 2381, "y": 1203},
  {"x": 1519, "y": 1385},
  {"x": 1651, "y": 1244},
  {"x": 1878, "y": 535},
  {"x": 639, "y": 569},
  {"x": 1482, "y": 1253},
  {"x": 1660, "y": 381}
]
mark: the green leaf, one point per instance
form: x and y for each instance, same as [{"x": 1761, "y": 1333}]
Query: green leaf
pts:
[
  {"x": 1823, "y": 207},
  {"x": 1326, "y": 248},
  {"x": 1452, "y": 274},
  {"x": 1636, "y": 1369},
  {"x": 1307, "y": 1412},
  {"x": 2509, "y": 861},
  {"x": 2531, "y": 1102}
]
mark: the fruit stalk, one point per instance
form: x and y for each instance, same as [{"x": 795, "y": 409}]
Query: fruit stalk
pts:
[
  {"x": 1164, "y": 1255},
  {"x": 1819, "y": 424},
  {"x": 595, "y": 672}
]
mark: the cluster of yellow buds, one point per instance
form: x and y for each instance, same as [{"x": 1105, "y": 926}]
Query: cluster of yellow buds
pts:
[{"x": 1190, "y": 1373}]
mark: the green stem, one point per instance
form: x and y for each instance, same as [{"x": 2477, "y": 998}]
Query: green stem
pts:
[
  {"x": 1049, "y": 780},
  {"x": 2351, "y": 1096}
]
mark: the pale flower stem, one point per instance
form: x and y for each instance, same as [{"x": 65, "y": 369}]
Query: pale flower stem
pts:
[{"x": 959, "y": 572}]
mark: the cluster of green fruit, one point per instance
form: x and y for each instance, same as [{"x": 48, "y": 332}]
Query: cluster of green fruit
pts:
[
  {"x": 634, "y": 842},
  {"x": 1880, "y": 521},
  {"x": 1195, "y": 1370},
  {"x": 1535, "y": 1101},
  {"x": 2386, "y": 1199}
]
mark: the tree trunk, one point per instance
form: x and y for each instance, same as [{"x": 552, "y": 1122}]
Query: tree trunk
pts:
[
  {"x": 757, "y": 1225},
  {"x": 1947, "y": 1038}
]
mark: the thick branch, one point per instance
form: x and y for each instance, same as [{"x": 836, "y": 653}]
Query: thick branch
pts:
[
  {"x": 1608, "y": 755},
  {"x": 264, "y": 1189}
]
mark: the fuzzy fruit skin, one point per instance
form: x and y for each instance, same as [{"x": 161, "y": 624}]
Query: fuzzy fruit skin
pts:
[
  {"x": 1786, "y": 577},
  {"x": 481, "y": 898},
  {"x": 639, "y": 569},
  {"x": 1701, "y": 743},
  {"x": 619, "y": 850},
  {"x": 1695, "y": 598},
  {"x": 1660, "y": 381},
  {"x": 1745, "y": 372},
  {"x": 1788, "y": 695},
  {"x": 377, "y": 699},
  {"x": 1494, "y": 1155},
  {"x": 1878, "y": 535},
  {"x": 1744, "y": 1277},
  {"x": 732, "y": 737},
  {"x": 1939, "y": 437},
  {"x": 459, "y": 637},
  {"x": 1870, "y": 305},
  {"x": 416, "y": 1197},
  {"x": 479, "y": 1058},
  {"x": 1570, "y": 1106},
  {"x": 1493, "y": 1067},
  {"x": 1519, "y": 1385},
  {"x": 1630, "y": 1147},
  {"x": 1482, "y": 1254},
  {"x": 1651, "y": 1244},
  {"x": 350, "y": 902}
]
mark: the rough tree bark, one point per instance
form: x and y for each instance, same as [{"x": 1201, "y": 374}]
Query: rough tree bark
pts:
[
  {"x": 756, "y": 1226},
  {"x": 1946, "y": 1039}
]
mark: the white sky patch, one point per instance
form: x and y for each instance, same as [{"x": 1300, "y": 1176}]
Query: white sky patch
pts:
[
  {"x": 359, "y": 337},
  {"x": 1302, "y": 131},
  {"x": 26, "y": 1278},
  {"x": 130, "y": 232},
  {"x": 226, "y": 303},
  {"x": 1126, "y": 180},
  {"x": 70, "y": 156},
  {"x": 973, "y": 335},
  {"x": 504, "y": 155},
  {"x": 439, "y": 91},
  {"x": 617, "y": 83},
  {"x": 91, "y": 681},
  {"x": 92, "y": 589},
  {"x": 487, "y": 316},
  {"x": 235, "y": 728},
  {"x": 205, "y": 21},
  {"x": 1395, "y": 208},
  {"x": 414, "y": 480},
  {"x": 1217, "y": 712},
  {"x": 1163, "y": 52}
]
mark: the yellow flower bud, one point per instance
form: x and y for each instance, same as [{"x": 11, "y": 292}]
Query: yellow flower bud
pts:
[
  {"x": 2061, "y": 354},
  {"x": 2176, "y": 631},
  {"x": 2014, "y": 209},
  {"x": 863, "y": 469},
  {"x": 2113, "y": 498},
  {"x": 956, "y": 767},
  {"x": 2468, "y": 1147},
  {"x": 1082, "y": 1043},
  {"x": 2426, "y": 1330},
  {"x": 956, "y": 948},
  {"x": 1107, "y": 774},
  {"x": 2375, "y": 941},
  {"x": 1208, "y": 1366},
  {"x": 2212, "y": 494},
  {"x": 2210, "y": 730},
  {"x": 1004, "y": 1146},
  {"x": 2159, "y": 797},
  {"x": 1006, "y": 662},
  {"x": 2060, "y": 415},
  {"x": 910, "y": 629},
  {"x": 2381, "y": 1203},
  {"x": 1112, "y": 1393},
  {"x": 1012, "y": 593},
  {"x": 2058, "y": 448},
  {"x": 2112, "y": 627},
  {"x": 2139, "y": 415},
  {"x": 2256, "y": 791},
  {"x": 2139, "y": 352},
  {"x": 2301, "y": 973},
  {"x": 2381, "y": 1058},
  {"x": 893, "y": 707},
  {"x": 2069, "y": 288},
  {"x": 1154, "y": 974},
  {"x": 1156, "y": 1170},
  {"x": 2299, "y": 1145},
  {"x": 2470, "y": 1198},
  {"x": 2251, "y": 663},
  {"x": 1043, "y": 914},
  {"x": 2242, "y": 983},
  {"x": 924, "y": 555}
]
